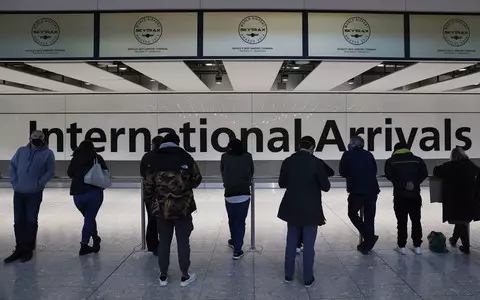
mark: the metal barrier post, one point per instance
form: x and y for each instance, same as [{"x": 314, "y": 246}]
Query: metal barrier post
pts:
[
  {"x": 360, "y": 237},
  {"x": 142, "y": 214},
  {"x": 252, "y": 218}
]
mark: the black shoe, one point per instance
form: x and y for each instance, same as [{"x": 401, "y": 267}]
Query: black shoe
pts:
[
  {"x": 464, "y": 249},
  {"x": 238, "y": 254},
  {"x": 375, "y": 240},
  {"x": 96, "y": 244},
  {"x": 85, "y": 249},
  {"x": 453, "y": 242},
  {"x": 16, "y": 255},
  {"x": 361, "y": 249},
  {"x": 27, "y": 256},
  {"x": 154, "y": 252},
  {"x": 310, "y": 282},
  {"x": 230, "y": 243}
]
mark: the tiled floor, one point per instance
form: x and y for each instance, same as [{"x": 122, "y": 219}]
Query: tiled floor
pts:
[{"x": 122, "y": 271}]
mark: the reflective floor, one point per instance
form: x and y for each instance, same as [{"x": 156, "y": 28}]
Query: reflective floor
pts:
[{"x": 122, "y": 271}]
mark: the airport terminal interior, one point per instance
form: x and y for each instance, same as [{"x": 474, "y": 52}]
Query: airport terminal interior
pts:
[{"x": 267, "y": 72}]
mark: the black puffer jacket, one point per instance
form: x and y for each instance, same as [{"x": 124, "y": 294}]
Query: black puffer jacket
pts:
[
  {"x": 79, "y": 166},
  {"x": 237, "y": 171}
]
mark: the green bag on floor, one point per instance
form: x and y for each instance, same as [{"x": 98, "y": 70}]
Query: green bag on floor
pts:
[{"x": 437, "y": 242}]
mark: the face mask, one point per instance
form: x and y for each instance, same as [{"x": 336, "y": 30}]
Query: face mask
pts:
[{"x": 37, "y": 142}]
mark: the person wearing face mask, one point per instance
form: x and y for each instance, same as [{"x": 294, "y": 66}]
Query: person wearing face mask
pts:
[
  {"x": 358, "y": 166},
  {"x": 31, "y": 168},
  {"x": 147, "y": 160},
  {"x": 304, "y": 177}
]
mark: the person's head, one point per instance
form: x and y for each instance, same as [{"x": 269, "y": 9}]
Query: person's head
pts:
[
  {"x": 157, "y": 141},
  {"x": 356, "y": 142},
  {"x": 85, "y": 147},
  {"x": 400, "y": 145},
  {"x": 236, "y": 146},
  {"x": 307, "y": 143},
  {"x": 37, "y": 139},
  {"x": 458, "y": 154},
  {"x": 172, "y": 137}
]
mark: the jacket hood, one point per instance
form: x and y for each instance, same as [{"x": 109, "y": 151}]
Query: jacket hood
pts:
[{"x": 236, "y": 147}]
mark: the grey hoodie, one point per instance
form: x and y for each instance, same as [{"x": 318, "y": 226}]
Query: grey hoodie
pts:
[{"x": 31, "y": 169}]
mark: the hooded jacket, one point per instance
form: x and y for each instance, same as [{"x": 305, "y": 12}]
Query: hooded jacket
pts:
[
  {"x": 79, "y": 166},
  {"x": 31, "y": 169},
  {"x": 237, "y": 171},
  {"x": 405, "y": 167}
]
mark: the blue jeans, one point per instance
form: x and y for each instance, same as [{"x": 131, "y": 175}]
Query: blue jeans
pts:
[
  {"x": 309, "y": 238},
  {"x": 89, "y": 204},
  {"x": 237, "y": 214},
  {"x": 26, "y": 208}
]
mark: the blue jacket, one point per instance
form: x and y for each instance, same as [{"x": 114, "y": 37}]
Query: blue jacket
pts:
[
  {"x": 358, "y": 166},
  {"x": 31, "y": 169}
]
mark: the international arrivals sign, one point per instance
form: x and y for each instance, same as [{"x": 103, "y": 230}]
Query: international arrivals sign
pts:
[{"x": 46, "y": 36}]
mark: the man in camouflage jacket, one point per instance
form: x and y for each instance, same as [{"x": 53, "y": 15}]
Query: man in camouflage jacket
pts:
[{"x": 171, "y": 177}]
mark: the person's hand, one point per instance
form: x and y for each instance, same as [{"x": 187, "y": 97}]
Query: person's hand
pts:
[{"x": 410, "y": 186}]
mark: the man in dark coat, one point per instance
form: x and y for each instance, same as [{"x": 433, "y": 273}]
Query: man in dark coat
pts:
[
  {"x": 459, "y": 186},
  {"x": 406, "y": 172},
  {"x": 237, "y": 170},
  {"x": 358, "y": 166},
  {"x": 304, "y": 177},
  {"x": 152, "y": 233}
]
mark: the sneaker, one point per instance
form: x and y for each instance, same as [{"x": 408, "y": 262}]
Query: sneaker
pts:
[
  {"x": 187, "y": 281},
  {"x": 418, "y": 251},
  {"x": 163, "y": 279},
  {"x": 288, "y": 280},
  {"x": 310, "y": 282},
  {"x": 27, "y": 256},
  {"x": 238, "y": 254},
  {"x": 16, "y": 255},
  {"x": 402, "y": 251},
  {"x": 230, "y": 244}
]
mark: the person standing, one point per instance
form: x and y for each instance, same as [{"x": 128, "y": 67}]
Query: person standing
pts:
[
  {"x": 31, "y": 168},
  {"x": 87, "y": 198},
  {"x": 168, "y": 185},
  {"x": 304, "y": 177},
  {"x": 460, "y": 181},
  {"x": 358, "y": 166},
  {"x": 152, "y": 233},
  {"x": 406, "y": 172},
  {"x": 237, "y": 170}
]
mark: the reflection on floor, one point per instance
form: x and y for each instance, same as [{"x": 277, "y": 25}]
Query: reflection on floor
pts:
[{"x": 121, "y": 271}]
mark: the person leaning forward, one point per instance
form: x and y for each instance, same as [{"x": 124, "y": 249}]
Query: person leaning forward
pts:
[{"x": 304, "y": 177}]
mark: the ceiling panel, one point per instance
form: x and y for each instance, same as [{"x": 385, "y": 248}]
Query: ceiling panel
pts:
[
  {"x": 252, "y": 76},
  {"x": 409, "y": 75},
  {"x": 451, "y": 84},
  {"x": 11, "y": 75},
  {"x": 330, "y": 74},
  {"x": 13, "y": 89},
  {"x": 175, "y": 75},
  {"x": 88, "y": 73}
]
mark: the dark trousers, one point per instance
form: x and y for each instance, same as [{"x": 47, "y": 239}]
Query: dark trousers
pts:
[
  {"x": 309, "y": 237},
  {"x": 237, "y": 214},
  {"x": 183, "y": 229},
  {"x": 26, "y": 208},
  {"x": 300, "y": 240},
  {"x": 89, "y": 204},
  {"x": 403, "y": 209},
  {"x": 366, "y": 227},
  {"x": 152, "y": 232},
  {"x": 460, "y": 231}
]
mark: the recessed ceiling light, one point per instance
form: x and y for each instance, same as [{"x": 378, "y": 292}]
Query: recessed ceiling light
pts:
[
  {"x": 296, "y": 67},
  {"x": 122, "y": 68},
  {"x": 351, "y": 81},
  {"x": 218, "y": 79},
  {"x": 381, "y": 65},
  {"x": 302, "y": 62},
  {"x": 462, "y": 69},
  {"x": 152, "y": 79},
  {"x": 88, "y": 83},
  {"x": 209, "y": 64},
  {"x": 284, "y": 77}
]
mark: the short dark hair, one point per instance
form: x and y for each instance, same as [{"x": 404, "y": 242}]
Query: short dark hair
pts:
[
  {"x": 357, "y": 141},
  {"x": 157, "y": 141},
  {"x": 172, "y": 137},
  {"x": 307, "y": 142}
]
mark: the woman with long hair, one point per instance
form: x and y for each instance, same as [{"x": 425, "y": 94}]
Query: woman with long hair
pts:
[
  {"x": 88, "y": 198},
  {"x": 459, "y": 188}
]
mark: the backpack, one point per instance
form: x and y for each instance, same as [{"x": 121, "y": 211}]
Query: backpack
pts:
[{"x": 437, "y": 242}]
